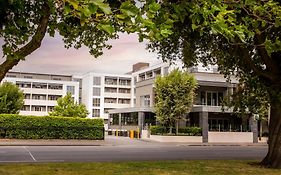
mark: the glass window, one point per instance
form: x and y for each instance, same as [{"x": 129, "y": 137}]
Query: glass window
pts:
[
  {"x": 96, "y": 113},
  {"x": 110, "y": 100},
  {"x": 96, "y": 102},
  {"x": 25, "y": 108},
  {"x": 203, "y": 98},
  {"x": 129, "y": 118},
  {"x": 209, "y": 98},
  {"x": 96, "y": 91},
  {"x": 55, "y": 86},
  {"x": 123, "y": 90},
  {"x": 97, "y": 81},
  {"x": 214, "y": 99},
  {"x": 114, "y": 119},
  {"x": 110, "y": 90},
  {"x": 220, "y": 98},
  {"x": 145, "y": 100},
  {"x": 124, "y": 101},
  {"x": 70, "y": 89}
]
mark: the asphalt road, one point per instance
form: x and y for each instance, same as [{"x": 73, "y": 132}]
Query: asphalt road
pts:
[{"x": 137, "y": 152}]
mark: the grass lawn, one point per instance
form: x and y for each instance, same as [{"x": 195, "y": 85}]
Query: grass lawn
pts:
[{"x": 209, "y": 167}]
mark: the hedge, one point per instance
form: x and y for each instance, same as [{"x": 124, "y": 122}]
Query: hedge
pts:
[
  {"x": 190, "y": 131},
  {"x": 35, "y": 127}
]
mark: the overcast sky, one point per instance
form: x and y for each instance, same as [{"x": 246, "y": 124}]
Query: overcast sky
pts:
[{"x": 52, "y": 57}]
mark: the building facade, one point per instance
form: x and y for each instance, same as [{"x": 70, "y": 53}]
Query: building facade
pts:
[
  {"x": 206, "y": 112},
  {"x": 103, "y": 92},
  {"x": 41, "y": 91}
]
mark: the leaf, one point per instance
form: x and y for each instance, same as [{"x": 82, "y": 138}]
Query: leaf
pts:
[
  {"x": 103, "y": 6},
  {"x": 106, "y": 27}
]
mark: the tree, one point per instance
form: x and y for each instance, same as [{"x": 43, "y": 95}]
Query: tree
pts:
[
  {"x": 11, "y": 98},
  {"x": 24, "y": 24},
  {"x": 66, "y": 107},
  {"x": 174, "y": 97},
  {"x": 242, "y": 37}
]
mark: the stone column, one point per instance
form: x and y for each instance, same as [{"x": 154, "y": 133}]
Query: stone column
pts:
[
  {"x": 203, "y": 119},
  {"x": 254, "y": 128},
  {"x": 140, "y": 120},
  {"x": 120, "y": 124}
]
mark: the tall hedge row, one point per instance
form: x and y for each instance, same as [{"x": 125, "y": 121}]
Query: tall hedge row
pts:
[{"x": 34, "y": 127}]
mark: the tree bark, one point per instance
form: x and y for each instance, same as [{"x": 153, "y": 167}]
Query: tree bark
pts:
[
  {"x": 30, "y": 47},
  {"x": 273, "y": 157}
]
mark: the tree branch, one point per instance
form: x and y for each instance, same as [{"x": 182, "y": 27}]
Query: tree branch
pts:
[
  {"x": 268, "y": 61},
  {"x": 249, "y": 64},
  {"x": 30, "y": 47}
]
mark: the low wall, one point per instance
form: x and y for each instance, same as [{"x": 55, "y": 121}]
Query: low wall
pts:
[
  {"x": 190, "y": 139},
  {"x": 230, "y": 137}
]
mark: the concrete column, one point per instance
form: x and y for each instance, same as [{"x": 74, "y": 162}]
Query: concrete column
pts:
[
  {"x": 120, "y": 124},
  {"x": 254, "y": 128},
  {"x": 140, "y": 120},
  {"x": 203, "y": 119}
]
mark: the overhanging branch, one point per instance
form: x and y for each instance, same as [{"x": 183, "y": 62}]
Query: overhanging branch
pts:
[{"x": 30, "y": 47}]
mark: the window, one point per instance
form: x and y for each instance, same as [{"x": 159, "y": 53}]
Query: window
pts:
[
  {"x": 25, "y": 108},
  {"x": 111, "y": 81},
  {"x": 145, "y": 100},
  {"x": 124, "y": 82},
  {"x": 141, "y": 77},
  {"x": 50, "y": 108},
  {"x": 96, "y": 113},
  {"x": 110, "y": 100},
  {"x": 129, "y": 118},
  {"x": 39, "y": 85},
  {"x": 27, "y": 96},
  {"x": 27, "y": 76},
  {"x": 211, "y": 98},
  {"x": 125, "y": 91},
  {"x": 96, "y": 91},
  {"x": 55, "y": 86},
  {"x": 38, "y": 97},
  {"x": 23, "y": 84},
  {"x": 157, "y": 72},
  {"x": 124, "y": 101},
  {"x": 114, "y": 119},
  {"x": 96, "y": 81},
  {"x": 149, "y": 74},
  {"x": 70, "y": 89},
  {"x": 54, "y": 97},
  {"x": 110, "y": 90},
  {"x": 96, "y": 102},
  {"x": 38, "y": 108}
]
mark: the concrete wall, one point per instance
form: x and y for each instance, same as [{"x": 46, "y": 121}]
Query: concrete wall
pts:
[
  {"x": 230, "y": 137},
  {"x": 191, "y": 139}
]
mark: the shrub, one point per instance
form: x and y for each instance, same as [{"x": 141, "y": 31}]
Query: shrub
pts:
[
  {"x": 156, "y": 130},
  {"x": 33, "y": 127},
  {"x": 192, "y": 131}
]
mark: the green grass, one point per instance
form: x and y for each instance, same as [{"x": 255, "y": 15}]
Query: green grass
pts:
[{"x": 209, "y": 167}]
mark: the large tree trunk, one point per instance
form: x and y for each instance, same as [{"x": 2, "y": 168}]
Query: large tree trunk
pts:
[
  {"x": 273, "y": 157},
  {"x": 30, "y": 47}
]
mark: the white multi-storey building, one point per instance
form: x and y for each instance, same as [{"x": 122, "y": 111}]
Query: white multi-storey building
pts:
[
  {"x": 102, "y": 92},
  {"x": 42, "y": 90}
]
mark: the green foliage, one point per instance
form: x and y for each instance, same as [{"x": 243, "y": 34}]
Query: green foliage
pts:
[
  {"x": 174, "y": 95},
  {"x": 34, "y": 127},
  {"x": 190, "y": 131},
  {"x": 155, "y": 130},
  {"x": 11, "y": 98},
  {"x": 68, "y": 108}
]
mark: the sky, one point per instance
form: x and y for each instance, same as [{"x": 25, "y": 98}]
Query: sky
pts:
[{"x": 53, "y": 58}]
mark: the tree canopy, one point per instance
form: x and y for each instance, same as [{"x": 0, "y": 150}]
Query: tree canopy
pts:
[
  {"x": 90, "y": 23},
  {"x": 66, "y": 107},
  {"x": 11, "y": 98},
  {"x": 174, "y": 95},
  {"x": 243, "y": 38}
]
